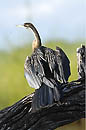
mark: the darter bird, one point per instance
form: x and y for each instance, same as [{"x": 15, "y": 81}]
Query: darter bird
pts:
[{"x": 45, "y": 70}]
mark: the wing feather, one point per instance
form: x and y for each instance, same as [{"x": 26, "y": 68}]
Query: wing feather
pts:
[
  {"x": 65, "y": 63},
  {"x": 44, "y": 64}
]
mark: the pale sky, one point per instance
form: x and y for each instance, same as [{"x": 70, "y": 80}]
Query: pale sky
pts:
[{"x": 54, "y": 19}]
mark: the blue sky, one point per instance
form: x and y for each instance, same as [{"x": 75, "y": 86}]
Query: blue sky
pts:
[{"x": 55, "y": 19}]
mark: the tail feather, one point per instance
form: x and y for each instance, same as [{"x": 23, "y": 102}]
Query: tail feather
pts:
[
  {"x": 56, "y": 94},
  {"x": 50, "y": 96},
  {"x": 44, "y": 96}
]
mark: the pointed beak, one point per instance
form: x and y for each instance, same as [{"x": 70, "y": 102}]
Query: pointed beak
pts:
[{"x": 22, "y": 26}]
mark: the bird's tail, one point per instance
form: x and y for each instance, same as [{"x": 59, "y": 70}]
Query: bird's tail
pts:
[{"x": 45, "y": 96}]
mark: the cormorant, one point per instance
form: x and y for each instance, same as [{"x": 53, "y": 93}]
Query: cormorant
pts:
[{"x": 45, "y": 70}]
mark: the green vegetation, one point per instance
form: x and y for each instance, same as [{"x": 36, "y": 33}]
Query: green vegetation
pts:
[{"x": 13, "y": 85}]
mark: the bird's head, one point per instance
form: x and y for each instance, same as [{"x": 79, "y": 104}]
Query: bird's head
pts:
[
  {"x": 25, "y": 25},
  {"x": 37, "y": 41},
  {"x": 28, "y": 25}
]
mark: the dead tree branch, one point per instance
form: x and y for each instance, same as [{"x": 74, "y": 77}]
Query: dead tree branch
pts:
[{"x": 20, "y": 117}]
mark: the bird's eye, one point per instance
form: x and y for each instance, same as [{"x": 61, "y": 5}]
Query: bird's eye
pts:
[{"x": 26, "y": 24}]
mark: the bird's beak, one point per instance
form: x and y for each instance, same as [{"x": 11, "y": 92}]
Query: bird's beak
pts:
[{"x": 22, "y": 26}]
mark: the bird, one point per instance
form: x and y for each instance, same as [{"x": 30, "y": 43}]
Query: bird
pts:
[{"x": 45, "y": 70}]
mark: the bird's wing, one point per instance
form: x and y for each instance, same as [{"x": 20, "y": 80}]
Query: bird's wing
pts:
[
  {"x": 30, "y": 74},
  {"x": 58, "y": 64},
  {"x": 35, "y": 71},
  {"x": 65, "y": 63},
  {"x": 50, "y": 56}
]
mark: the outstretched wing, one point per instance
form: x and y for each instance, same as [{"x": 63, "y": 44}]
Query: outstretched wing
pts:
[
  {"x": 30, "y": 74},
  {"x": 34, "y": 70},
  {"x": 58, "y": 62},
  {"x": 65, "y": 63},
  {"x": 46, "y": 64}
]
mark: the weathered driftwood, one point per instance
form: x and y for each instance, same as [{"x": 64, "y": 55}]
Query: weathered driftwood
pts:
[{"x": 20, "y": 116}]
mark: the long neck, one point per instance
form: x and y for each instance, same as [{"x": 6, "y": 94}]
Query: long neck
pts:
[{"x": 37, "y": 37}]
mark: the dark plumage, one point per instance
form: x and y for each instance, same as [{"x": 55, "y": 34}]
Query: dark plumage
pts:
[{"x": 45, "y": 70}]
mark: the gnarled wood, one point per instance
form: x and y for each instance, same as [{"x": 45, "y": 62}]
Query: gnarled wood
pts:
[{"x": 20, "y": 116}]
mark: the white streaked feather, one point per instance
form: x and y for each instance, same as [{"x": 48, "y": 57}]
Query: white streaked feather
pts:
[
  {"x": 48, "y": 83},
  {"x": 31, "y": 81}
]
